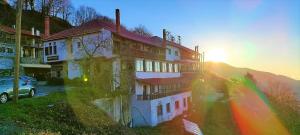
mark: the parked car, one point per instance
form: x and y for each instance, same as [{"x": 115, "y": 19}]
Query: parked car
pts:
[{"x": 6, "y": 89}]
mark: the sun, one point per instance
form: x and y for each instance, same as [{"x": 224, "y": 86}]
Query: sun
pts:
[{"x": 216, "y": 55}]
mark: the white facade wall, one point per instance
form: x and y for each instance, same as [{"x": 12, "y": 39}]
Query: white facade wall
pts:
[
  {"x": 145, "y": 111},
  {"x": 74, "y": 52},
  {"x": 62, "y": 51},
  {"x": 172, "y": 56}
]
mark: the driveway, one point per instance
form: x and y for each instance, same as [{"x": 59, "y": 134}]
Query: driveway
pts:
[{"x": 43, "y": 90}]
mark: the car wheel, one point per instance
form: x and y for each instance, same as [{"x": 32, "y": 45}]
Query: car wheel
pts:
[
  {"x": 3, "y": 98},
  {"x": 31, "y": 93}
]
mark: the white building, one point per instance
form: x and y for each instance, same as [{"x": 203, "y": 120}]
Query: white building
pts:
[{"x": 161, "y": 70}]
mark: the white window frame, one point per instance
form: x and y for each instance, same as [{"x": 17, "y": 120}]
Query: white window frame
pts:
[{"x": 139, "y": 65}]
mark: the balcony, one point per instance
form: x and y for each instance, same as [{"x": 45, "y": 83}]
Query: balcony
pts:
[
  {"x": 30, "y": 60},
  {"x": 131, "y": 52},
  {"x": 159, "y": 95}
]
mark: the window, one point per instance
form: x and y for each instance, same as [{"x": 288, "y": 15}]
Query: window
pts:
[
  {"x": 164, "y": 67},
  {"x": 46, "y": 51},
  {"x": 78, "y": 45},
  {"x": 169, "y": 51},
  {"x": 50, "y": 49},
  {"x": 2, "y": 49},
  {"x": 175, "y": 67},
  {"x": 54, "y": 49},
  {"x": 139, "y": 65},
  {"x": 149, "y": 66},
  {"x": 159, "y": 110},
  {"x": 168, "y": 108},
  {"x": 170, "y": 67},
  {"x": 176, "y": 53},
  {"x": 176, "y": 105},
  {"x": 157, "y": 66},
  {"x": 10, "y": 50},
  {"x": 184, "y": 102}
]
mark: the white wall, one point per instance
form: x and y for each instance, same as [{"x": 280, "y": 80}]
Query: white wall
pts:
[
  {"x": 74, "y": 70},
  {"x": 146, "y": 110},
  {"x": 61, "y": 50},
  {"x": 172, "y": 57},
  {"x": 91, "y": 41}
]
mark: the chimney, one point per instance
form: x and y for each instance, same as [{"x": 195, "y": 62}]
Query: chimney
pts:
[
  {"x": 164, "y": 43},
  {"x": 179, "y": 40},
  {"x": 118, "y": 24},
  {"x": 47, "y": 26},
  {"x": 32, "y": 31}
]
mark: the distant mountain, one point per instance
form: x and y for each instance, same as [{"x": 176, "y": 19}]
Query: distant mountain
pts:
[
  {"x": 30, "y": 19},
  {"x": 264, "y": 79}
]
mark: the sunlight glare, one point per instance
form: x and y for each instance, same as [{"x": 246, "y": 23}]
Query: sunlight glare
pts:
[{"x": 216, "y": 55}]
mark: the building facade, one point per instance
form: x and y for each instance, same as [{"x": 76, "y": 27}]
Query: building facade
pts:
[
  {"x": 160, "y": 71},
  {"x": 31, "y": 53}
]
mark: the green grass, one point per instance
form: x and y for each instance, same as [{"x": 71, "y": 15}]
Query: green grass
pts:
[{"x": 60, "y": 113}]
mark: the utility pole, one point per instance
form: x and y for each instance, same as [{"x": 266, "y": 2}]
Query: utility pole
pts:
[{"x": 17, "y": 51}]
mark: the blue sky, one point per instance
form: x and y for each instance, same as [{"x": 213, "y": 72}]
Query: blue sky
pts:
[{"x": 258, "y": 34}]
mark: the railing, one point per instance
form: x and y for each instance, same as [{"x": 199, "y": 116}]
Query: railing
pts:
[
  {"x": 139, "y": 53},
  {"x": 158, "y": 95},
  {"x": 30, "y": 60}
]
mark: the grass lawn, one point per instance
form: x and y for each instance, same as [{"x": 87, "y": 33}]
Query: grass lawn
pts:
[{"x": 58, "y": 113}]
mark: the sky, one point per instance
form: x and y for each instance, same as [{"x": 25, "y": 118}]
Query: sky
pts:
[{"x": 258, "y": 34}]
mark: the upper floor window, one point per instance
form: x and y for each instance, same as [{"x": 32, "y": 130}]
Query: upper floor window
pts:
[
  {"x": 46, "y": 51},
  {"x": 149, "y": 66},
  {"x": 164, "y": 67},
  {"x": 2, "y": 49},
  {"x": 139, "y": 65},
  {"x": 10, "y": 50},
  {"x": 157, "y": 66},
  {"x": 175, "y": 67},
  {"x": 169, "y": 51},
  {"x": 176, "y": 53},
  {"x": 78, "y": 45},
  {"x": 54, "y": 48},
  {"x": 170, "y": 67},
  {"x": 50, "y": 49}
]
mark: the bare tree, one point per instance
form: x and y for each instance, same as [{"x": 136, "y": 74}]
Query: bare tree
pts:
[
  {"x": 84, "y": 14},
  {"x": 92, "y": 47},
  {"x": 66, "y": 10},
  {"x": 142, "y": 30}
]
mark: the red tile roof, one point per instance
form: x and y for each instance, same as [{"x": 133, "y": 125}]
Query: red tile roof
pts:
[
  {"x": 96, "y": 25},
  {"x": 11, "y": 30}
]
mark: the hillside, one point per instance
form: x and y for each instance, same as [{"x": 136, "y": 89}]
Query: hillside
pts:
[
  {"x": 30, "y": 19},
  {"x": 263, "y": 78}
]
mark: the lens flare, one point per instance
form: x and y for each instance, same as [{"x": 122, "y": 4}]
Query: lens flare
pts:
[{"x": 252, "y": 111}]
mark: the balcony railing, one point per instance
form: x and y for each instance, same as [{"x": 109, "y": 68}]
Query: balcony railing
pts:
[
  {"x": 139, "y": 53},
  {"x": 30, "y": 60},
  {"x": 158, "y": 95}
]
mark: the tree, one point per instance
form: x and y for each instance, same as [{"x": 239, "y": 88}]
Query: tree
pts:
[
  {"x": 142, "y": 30},
  {"x": 17, "y": 56},
  {"x": 84, "y": 14}
]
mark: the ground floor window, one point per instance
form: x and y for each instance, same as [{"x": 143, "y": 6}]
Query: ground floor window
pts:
[
  {"x": 159, "y": 110},
  {"x": 176, "y": 105},
  {"x": 168, "y": 108}
]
